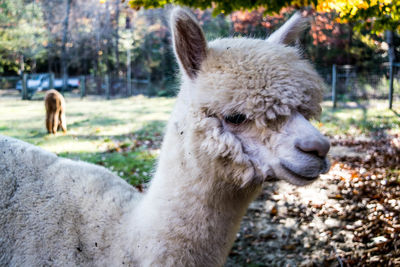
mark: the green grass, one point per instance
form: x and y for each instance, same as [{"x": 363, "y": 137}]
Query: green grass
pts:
[
  {"x": 124, "y": 135},
  {"x": 357, "y": 120},
  {"x": 90, "y": 121},
  {"x": 134, "y": 166}
]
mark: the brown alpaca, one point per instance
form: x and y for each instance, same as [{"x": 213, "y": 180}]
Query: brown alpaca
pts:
[{"x": 55, "y": 111}]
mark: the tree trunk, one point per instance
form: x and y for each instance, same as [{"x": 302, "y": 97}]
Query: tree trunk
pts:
[
  {"x": 34, "y": 64},
  {"x": 21, "y": 64},
  {"x": 49, "y": 62},
  {"x": 349, "y": 44},
  {"x": 98, "y": 46},
  {"x": 128, "y": 72},
  {"x": 128, "y": 26},
  {"x": 390, "y": 42},
  {"x": 64, "y": 63},
  {"x": 117, "y": 13},
  {"x": 108, "y": 48}
]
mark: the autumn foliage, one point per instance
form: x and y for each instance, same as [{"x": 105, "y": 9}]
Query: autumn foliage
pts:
[{"x": 327, "y": 41}]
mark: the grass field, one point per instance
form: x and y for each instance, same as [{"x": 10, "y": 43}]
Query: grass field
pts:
[
  {"x": 124, "y": 135},
  {"x": 355, "y": 120}
]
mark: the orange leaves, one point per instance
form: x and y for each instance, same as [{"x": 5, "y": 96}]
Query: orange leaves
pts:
[
  {"x": 384, "y": 14},
  {"x": 274, "y": 211}
]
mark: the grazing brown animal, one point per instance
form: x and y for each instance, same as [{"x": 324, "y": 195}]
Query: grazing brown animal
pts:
[{"x": 55, "y": 111}]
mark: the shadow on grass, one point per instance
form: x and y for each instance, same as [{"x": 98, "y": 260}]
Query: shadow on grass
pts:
[
  {"x": 38, "y": 134},
  {"x": 134, "y": 159},
  {"x": 96, "y": 122},
  {"x": 32, "y": 136},
  {"x": 152, "y": 130},
  {"x": 360, "y": 117},
  {"x": 395, "y": 112}
]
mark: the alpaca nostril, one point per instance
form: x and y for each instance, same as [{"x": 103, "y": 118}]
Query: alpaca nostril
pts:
[{"x": 318, "y": 146}]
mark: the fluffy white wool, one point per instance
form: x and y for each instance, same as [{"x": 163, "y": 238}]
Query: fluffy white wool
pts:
[{"x": 55, "y": 211}]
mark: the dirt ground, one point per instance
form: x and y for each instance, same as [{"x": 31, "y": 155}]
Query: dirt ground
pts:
[{"x": 349, "y": 217}]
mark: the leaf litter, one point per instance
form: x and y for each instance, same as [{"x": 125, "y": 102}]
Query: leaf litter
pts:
[{"x": 349, "y": 217}]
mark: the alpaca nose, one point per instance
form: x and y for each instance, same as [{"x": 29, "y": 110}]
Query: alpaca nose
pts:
[{"x": 316, "y": 146}]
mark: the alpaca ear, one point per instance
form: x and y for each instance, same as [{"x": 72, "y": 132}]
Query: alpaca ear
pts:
[
  {"x": 289, "y": 32},
  {"x": 189, "y": 43}
]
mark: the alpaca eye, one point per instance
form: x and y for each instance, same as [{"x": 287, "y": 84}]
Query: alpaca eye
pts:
[{"x": 236, "y": 118}]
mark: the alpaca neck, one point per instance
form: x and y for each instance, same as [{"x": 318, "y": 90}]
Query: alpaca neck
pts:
[{"x": 191, "y": 216}]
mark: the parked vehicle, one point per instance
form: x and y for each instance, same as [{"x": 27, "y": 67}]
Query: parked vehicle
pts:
[
  {"x": 41, "y": 82},
  {"x": 72, "y": 83},
  {"x": 34, "y": 83}
]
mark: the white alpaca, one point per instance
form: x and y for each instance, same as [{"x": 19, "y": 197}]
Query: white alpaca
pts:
[{"x": 241, "y": 118}]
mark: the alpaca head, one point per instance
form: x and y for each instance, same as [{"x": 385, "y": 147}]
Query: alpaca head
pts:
[{"x": 250, "y": 102}]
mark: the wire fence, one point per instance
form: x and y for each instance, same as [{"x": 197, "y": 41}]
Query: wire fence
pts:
[
  {"x": 344, "y": 83},
  {"x": 9, "y": 82},
  {"x": 351, "y": 84},
  {"x": 115, "y": 86},
  {"x": 104, "y": 86}
]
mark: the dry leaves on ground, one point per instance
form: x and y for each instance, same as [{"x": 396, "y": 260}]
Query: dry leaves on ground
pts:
[{"x": 350, "y": 217}]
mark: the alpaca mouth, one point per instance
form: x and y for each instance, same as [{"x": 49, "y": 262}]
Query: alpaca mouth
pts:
[
  {"x": 297, "y": 175},
  {"x": 303, "y": 176}
]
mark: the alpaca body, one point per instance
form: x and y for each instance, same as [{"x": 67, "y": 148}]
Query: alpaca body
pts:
[
  {"x": 55, "y": 111},
  {"x": 55, "y": 211},
  {"x": 100, "y": 219},
  {"x": 103, "y": 221}
]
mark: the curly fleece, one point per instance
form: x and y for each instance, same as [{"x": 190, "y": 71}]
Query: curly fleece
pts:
[{"x": 263, "y": 80}]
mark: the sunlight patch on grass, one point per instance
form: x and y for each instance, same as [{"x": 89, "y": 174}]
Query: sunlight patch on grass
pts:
[
  {"x": 72, "y": 145},
  {"x": 89, "y": 120},
  {"x": 97, "y": 128},
  {"x": 358, "y": 120}
]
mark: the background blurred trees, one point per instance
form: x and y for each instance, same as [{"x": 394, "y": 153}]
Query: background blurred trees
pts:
[
  {"x": 375, "y": 16},
  {"x": 109, "y": 37},
  {"x": 224, "y": 7},
  {"x": 343, "y": 32},
  {"x": 327, "y": 42},
  {"x": 22, "y": 36}
]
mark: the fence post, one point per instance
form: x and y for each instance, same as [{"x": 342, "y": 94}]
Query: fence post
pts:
[
  {"x": 64, "y": 83},
  {"x": 107, "y": 82},
  {"x": 83, "y": 86},
  {"x": 24, "y": 84},
  {"x": 51, "y": 81},
  {"x": 129, "y": 72},
  {"x": 391, "y": 85},
  {"x": 334, "y": 97}
]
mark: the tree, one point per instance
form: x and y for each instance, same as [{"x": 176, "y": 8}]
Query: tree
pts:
[
  {"x": 376, "y": 15},
  {"x": 225, "y": 7},
  {"x": 327, "y": 41},
  {"x": 22, "y": 37},
  {"x": 380, "y": 14},
  {"x": 64, "y": 64}
]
